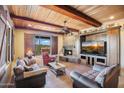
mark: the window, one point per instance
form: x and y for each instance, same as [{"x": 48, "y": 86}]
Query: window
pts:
[{"x": 42, "y": 44}]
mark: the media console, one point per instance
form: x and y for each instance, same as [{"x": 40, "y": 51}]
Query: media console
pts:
[
  {"x": 70, "y": 58},
  {"x": 92, "y": 59}
]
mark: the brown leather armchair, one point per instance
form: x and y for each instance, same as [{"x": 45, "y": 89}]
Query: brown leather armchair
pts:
[{"x": 30, "y": 79}]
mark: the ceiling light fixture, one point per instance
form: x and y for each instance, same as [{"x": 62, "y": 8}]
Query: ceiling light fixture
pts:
[
  {"x": 29, "y": 25},
  {"x": 111, "y": 17}
]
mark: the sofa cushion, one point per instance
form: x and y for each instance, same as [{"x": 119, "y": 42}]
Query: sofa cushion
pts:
[
  {"x": 28, "y": 68},
  {"x": 101, "y": 76},
  {"x": 39, "y": 60},
  {"x": 35, "y": 66},
  {"x": 91, "y": 74},
  {"x": 29, "y": 62},
  {"x": 82, "y": 81}
]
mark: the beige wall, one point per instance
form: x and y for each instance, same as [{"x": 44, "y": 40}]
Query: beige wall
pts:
[
  {"x": 19, "y": 41},
  {"x": 60, "y": 43}
]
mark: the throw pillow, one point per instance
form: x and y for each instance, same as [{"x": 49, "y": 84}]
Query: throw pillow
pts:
[
  {"x": 35, "y": 67},
  {"x": 31, "y": 61},
  {"x": 26, "y": 60},
  {"x": 21, "y": 62}
]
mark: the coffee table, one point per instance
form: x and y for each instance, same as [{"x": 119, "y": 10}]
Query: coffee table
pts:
[{"x": 57, "y": 68}]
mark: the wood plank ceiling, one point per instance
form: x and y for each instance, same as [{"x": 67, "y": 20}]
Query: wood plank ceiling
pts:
[
  {"x": 102, "y": 13},
  {"x": 99, "y": 12}
]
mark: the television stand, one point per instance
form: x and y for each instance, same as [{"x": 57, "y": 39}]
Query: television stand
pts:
[
  {"x": 70, "y": 58},
  {"x": 93, "y": 59}
]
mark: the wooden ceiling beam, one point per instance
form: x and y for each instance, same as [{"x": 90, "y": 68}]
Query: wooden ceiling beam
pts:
[
  {"x": 74, "y": 13},
  {"x": 34, "y": 29},
  {"x": 41, "y": 22}
]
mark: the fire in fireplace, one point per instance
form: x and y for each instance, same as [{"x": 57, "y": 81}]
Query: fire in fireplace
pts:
[{"x": 67, "y": 52}]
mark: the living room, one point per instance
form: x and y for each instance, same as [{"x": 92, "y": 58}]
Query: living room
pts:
[{"x": 65, "y": 46}]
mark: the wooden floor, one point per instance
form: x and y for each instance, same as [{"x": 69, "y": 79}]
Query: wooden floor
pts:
[{"x": 64, "y": 81}]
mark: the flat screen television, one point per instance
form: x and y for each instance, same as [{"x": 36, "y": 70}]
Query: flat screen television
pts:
[{"x": 94, "y": 48}]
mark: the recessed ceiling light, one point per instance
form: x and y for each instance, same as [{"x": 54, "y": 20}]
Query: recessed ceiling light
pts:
[
  {"x": 29, "y": 25},
  {"x": 111, "y": 17}
]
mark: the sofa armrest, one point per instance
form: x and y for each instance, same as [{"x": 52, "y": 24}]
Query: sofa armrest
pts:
[
  {"x": 98, "y": 67},
  {"x": 35, "y": 72},
  {"x": 81, "y": 81}
]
